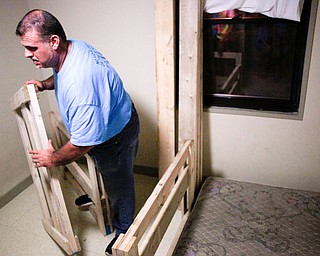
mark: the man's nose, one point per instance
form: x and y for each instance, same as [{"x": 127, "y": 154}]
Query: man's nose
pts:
[{"x": 27, "y": 53}]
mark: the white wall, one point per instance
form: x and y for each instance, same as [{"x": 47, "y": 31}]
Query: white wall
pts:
[
  {"x": 124, "y": 32},
  {"x": 268, "y": 150},
  {"x": 121, "y": 30},
  {"x": 265, "y": 150},
  {"x": 14, "y": 69}
]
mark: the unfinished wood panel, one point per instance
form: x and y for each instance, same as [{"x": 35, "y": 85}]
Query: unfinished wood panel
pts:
[
  {"x": 190, "y": 81},
  {"x": 33, "y": 134},
  {"x": 84, "y": 178},
  {"x": 165, "y": 80},
  {"x": 149, "y": 226},
  {"x": 166, "y": 213}
]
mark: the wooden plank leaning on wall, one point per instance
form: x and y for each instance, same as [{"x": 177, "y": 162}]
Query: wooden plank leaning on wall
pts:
[
  {"x": 190, "y": 79},
  {"x": 164, "y": 12},
  {"x": 190, "y": 82}
]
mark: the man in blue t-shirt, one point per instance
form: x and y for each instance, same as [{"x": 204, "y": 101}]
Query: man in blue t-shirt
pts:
[{"x": 95, "y": 108}]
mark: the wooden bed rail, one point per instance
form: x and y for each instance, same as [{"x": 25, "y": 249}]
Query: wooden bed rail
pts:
[{"x": 170, "y": 195}]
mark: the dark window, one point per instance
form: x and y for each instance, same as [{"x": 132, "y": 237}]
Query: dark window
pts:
[{"x": 252, "y": 61}]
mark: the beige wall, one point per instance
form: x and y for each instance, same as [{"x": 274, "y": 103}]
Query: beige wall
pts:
[
  {"x": 124, "y": 32},
  {"x": 269, "y": 150},
  {"x": 121, "y": 30},
  {"x": 266, "y": 150},
  {"x": 13, "y": 71}
]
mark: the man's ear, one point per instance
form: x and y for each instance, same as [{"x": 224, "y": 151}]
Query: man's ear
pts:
[{"x": 54, "y": 42}]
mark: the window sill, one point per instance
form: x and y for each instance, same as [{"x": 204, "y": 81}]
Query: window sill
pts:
[{"x": 257, "y": 113}]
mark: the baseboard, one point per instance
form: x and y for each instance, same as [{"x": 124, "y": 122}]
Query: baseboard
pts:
[
  {"x": 12, "y": 193},
  {"x": 146, "y": 170}
]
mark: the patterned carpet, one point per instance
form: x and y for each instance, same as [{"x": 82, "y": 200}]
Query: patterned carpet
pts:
[{"x": 238, "y": 218}]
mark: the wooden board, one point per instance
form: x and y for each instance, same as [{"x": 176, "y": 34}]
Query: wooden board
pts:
[
  {"x": 190, "y": 82},
  {"x": 33, "y": 134},
  {"x": 165, "y": 80}
]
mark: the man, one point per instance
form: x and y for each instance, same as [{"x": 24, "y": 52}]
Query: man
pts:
[{"x": 95, "y": 108}]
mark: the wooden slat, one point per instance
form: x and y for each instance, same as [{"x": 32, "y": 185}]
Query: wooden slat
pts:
[
  {"x": 34, "y": 171},
  {"x": 56, "y": 139},
  {"x": 190, "y": 82},
  {"x": 165, "y": 80},
  {"x": 19, "y": 98},
  {"x": 61, "y": 239},
  {"x": 130, "y": 248},
  {"x": 75, "y": 185},
  {"x": 61, "y": 209},
  {"x": 163, "y": 219},
  {"x": 56, "y": 135},
  {"x": 178, "y": 233},
  {"x": 37, "y": 118},
  {"x": 105, "y": 202},
  {"x": 35, "y": 142},
  {"x": 96, "y": 196},
  {"x": 81, "y": 177}
]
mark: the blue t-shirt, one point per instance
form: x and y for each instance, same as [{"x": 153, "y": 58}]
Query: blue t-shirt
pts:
[{"x": 92, "y": 100}]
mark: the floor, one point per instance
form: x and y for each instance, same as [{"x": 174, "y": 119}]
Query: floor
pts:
[{"x": 22, "y": 233}]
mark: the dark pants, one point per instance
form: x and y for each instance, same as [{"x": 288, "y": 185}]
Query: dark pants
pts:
[{"x": 115, "y": 160}]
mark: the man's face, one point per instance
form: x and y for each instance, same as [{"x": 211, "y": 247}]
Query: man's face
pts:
[{"x": 41, "y": 53}]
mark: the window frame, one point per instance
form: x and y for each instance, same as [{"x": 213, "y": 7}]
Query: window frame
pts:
[{"x": 292, "y": 108}]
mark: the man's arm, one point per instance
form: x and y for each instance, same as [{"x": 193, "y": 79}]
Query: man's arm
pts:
[
  {"x": 65, "y": 155},
  {"x": 47, "y": 84}
]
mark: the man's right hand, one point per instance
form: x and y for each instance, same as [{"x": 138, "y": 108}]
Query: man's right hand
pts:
[
  {"x": 38, "y": 84},
  {"x": 47, "y": 84}
]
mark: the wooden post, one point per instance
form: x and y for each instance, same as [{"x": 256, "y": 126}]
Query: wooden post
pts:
[
  {"x": 190, "y": 81},
  {"x": 165, "y": 79}
]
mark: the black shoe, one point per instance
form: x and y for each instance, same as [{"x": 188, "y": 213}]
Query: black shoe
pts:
[
  {"x": 83, "y": 200},
  {"x": 108, "y": 250}
]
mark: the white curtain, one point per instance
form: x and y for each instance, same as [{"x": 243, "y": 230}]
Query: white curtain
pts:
[{"x": 286, "y": 9}]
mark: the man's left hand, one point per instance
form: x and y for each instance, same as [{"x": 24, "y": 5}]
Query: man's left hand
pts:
[{"x": 43, "y": 158}]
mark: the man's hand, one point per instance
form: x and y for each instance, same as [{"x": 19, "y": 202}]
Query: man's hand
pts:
[
  {"x": 64, "y": 155},
  {"x": 43, "y": 158},
  {"x": 38, "y": 84},
  {"x": 47, "y": 84}
]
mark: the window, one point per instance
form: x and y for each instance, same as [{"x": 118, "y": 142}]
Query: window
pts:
[{"x": 254, "y": 62}]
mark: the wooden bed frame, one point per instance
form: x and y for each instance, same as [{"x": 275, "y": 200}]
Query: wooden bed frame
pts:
[
  {"x": 83, "y": 177},
  {"x": 172, "y": 195},
  {"x": 55, "y": 219}
]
